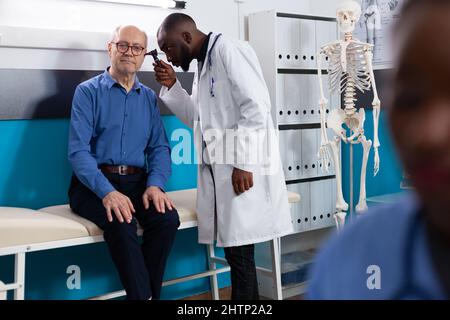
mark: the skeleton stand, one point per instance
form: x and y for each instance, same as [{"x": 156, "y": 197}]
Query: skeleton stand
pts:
[{"x": 351, "y": 182}]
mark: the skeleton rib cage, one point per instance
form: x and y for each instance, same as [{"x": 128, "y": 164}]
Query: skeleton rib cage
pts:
[{"x": 355, "y": 75}]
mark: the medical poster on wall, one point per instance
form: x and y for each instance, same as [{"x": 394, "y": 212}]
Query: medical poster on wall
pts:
[{"x": 374, "y": 26}]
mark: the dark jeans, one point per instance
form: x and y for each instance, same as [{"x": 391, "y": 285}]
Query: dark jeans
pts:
[
  {"x": 244, "y": 284},
  {"x": 140, "y": 265}
]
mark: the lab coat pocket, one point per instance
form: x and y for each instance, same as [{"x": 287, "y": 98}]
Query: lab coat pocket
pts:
[{"x": 221, "y": 100}]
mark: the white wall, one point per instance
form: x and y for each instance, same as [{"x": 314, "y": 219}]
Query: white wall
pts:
[
  {"x": 80, "y": 18},
  {"x": 90, "y": 16},
  {"x": 306, "y": 7},
  {"x": 104, "y": 17}
]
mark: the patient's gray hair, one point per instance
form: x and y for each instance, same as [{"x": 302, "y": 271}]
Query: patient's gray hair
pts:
[{"x": 115, "y": 35}]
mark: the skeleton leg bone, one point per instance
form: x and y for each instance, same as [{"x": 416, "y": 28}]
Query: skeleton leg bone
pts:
[
  {"x": 339, "y": 219},
  {"x": 376, "y": 142},
  {"x": 362, "y": 204},
  {"x": 341, "y": 205}
]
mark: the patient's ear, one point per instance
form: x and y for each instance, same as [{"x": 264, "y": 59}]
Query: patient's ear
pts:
[{"x": 110, "y": 49}]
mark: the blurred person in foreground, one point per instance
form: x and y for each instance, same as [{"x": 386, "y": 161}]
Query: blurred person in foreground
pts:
[{"x": 402, "y": 250}]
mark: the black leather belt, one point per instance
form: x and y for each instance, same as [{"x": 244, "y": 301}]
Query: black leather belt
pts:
[{"x": 122, "y": 170}]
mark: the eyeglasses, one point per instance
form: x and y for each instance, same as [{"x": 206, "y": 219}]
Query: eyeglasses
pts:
[{"x": 122, "y": 47}]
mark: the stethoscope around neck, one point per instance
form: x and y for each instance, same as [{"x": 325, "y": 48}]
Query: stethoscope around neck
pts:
[{"x": 211, "y": 82}]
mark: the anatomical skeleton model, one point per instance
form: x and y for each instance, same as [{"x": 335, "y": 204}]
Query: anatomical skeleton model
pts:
[{"x": 350, "y": 69}]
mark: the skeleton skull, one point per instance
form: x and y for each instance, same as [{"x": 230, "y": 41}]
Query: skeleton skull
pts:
[{"x": 348, "y": 13}]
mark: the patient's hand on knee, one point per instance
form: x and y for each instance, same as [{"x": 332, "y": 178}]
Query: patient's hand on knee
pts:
[
  {"x": 120, "y": 204},
  {"x": 159, "y": 198}
]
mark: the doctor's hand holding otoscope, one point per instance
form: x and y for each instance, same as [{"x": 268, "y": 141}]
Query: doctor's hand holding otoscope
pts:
[{"x": 164, "y": 72}]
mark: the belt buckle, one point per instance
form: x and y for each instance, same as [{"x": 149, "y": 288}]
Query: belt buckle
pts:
[{"x": 122, "y": 170}]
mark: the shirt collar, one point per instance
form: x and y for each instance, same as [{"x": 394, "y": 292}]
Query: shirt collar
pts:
[
  {"x": 204, "y": 49},
  {"x": 110, "y": 82}
]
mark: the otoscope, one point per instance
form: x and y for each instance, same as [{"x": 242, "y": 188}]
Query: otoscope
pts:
[{"x": 154, "y": 54}]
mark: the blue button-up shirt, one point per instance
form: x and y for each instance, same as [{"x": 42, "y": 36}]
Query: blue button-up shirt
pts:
[{"x": 110, "y": 126}]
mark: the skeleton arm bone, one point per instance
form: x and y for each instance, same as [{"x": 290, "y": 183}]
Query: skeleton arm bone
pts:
[
  {"x": 322, "y": 101},
  {"x": 323, "y": 154},
  {"x": 376, "y": 104}
]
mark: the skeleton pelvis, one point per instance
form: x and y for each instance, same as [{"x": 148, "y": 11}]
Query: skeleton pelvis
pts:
[{"x": 338, "y": 118}]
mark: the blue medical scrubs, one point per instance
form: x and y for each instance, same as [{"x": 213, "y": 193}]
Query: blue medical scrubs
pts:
[{"x": 382, "y": 255}]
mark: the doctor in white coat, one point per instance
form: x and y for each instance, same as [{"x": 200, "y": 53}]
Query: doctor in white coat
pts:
[{"x": 242, "y": 196}]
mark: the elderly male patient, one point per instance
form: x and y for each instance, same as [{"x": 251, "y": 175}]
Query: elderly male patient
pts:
[{"x": 121, "y": 161}]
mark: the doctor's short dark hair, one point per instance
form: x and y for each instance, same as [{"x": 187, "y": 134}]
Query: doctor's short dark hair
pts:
[{"x": 174, "y": 20}]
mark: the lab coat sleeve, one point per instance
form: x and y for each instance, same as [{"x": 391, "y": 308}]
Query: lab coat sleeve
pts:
[
  {"x": 250, "y": 94},
  {"x": 179, "y": 102}
]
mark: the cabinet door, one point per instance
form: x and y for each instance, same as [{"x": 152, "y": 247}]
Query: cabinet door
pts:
[
  {"x": 309, "y": 85},
  {"x": 329, "y": 222},
  {"x": 326, "y": 32},
  {"x": 317, "y": 199},
  {"x": 304, "y": 205},
  {"x": 320, "y": 203},
  {"x": 288, "y": 34},
  {"x": 304, "y": 89},
  {"x": 298, "y": 158},
  {"x": 307, "y": 44},
  {"x": 288, "y": 140},
  {"x": 283, "y": 151},
  {"x": 295, "y": 208},
  {"x": 281, "y": 102},
  {"x": 292, "y": 97},
  {"x": 326, "y": 216},
  {"x": 294, "y": 90},
  {"x": 282, "y": 41},
  {"x": 314, "y": 96},
  {"x": 309, "y": 153}
]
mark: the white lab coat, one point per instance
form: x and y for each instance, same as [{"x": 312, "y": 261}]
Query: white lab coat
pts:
[{"x": 241, "y": 101}]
